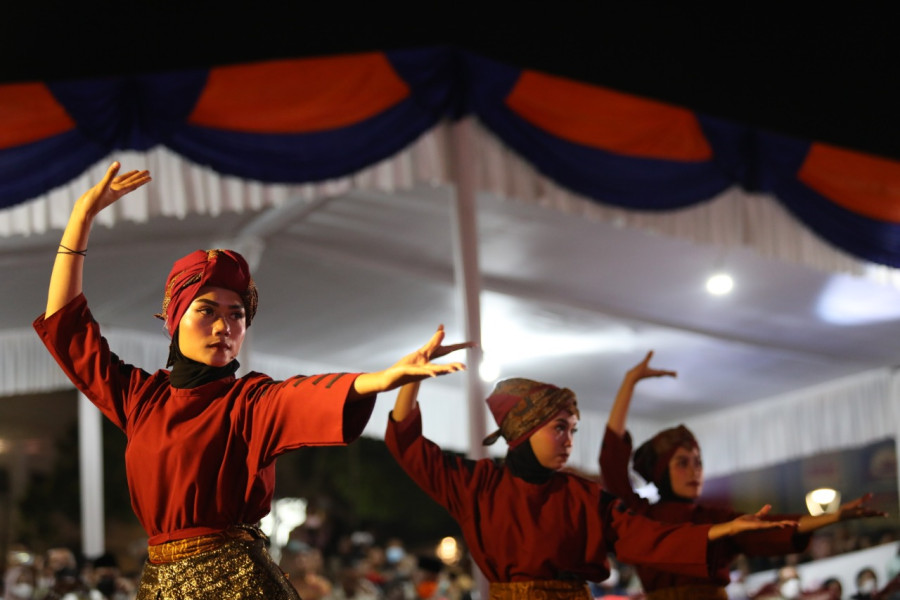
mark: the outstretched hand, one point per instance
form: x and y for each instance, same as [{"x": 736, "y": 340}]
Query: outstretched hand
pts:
[
  {"x": 619, "y": 413},
  {"x": 748, "y": 522},
  {"x": 859, "y": 509},
  {"x": 109, "y": 189},
  {"x": 643, "y": 370},
  {"x": 417, "y": 365},
  {"x": 413, "y": 367}
]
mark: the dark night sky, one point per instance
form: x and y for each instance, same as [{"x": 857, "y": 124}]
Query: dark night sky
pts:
[{"x": 827, "y": 77}]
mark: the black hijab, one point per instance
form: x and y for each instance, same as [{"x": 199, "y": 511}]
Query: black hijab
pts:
[
  {"x": 523, "y": 464},
  {"x": 187, "y": 373}
]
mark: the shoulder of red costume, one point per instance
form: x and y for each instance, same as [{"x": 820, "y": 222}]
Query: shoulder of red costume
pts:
[{"x": 581, "y": 477}]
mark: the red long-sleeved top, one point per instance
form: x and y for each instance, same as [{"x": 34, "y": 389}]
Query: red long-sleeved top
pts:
[
  {"x": 520, "y": 531},
  {"x": 199, "y": 460},
  {"x": 614, "y": 457}
]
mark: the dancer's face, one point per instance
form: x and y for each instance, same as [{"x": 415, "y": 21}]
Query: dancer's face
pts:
[
  {"x": 552, "y": 443},
  {"x": 686, "y": 472},
  {"x": 213, "y": 327}
]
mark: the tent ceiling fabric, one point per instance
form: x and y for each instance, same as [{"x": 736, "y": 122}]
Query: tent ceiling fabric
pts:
[{"x": 362, "y": 272}]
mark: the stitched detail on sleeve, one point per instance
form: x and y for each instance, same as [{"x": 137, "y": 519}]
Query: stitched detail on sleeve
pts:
[{"x": 334, "y": 380}]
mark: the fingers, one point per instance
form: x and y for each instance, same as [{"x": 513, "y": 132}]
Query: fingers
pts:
[
  {"x": 764, "y": 510},
  {"x": 413, "y": 374},
  {"x": 434, "y": 342},
  {"x": 444, "y": 350},
  {"x": 777, "y": 524},
  {"x": 434, "y": 370},
  {"x": 434, "y": 349},
  {"x": 663, "y": 373},
  {"x": 644, "y": 370},
  {"x": 131, "y": 180},
  {"x": 110, "y": 175}
]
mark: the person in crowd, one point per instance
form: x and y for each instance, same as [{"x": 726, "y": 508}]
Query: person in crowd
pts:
[
  {"x": 671, "y": 460},
  {"x": 787, "y": 586},
  {"x": 534, "y": 530},
  {"x": 202, "y": 443},
  {"x": 69, "y": 585},
  {"x": 352, "y": 585},
  {"x": 306, "y": 571},
  {"x": 106, "y": 580},
  {"x": 56, "y": 561},
  {"x": 20, "y": 582},
  {"x": 834, "y": 587},
  {"x": 866, "y": 584},
  {"x": 891, "y": 591},
  {"x": 737, "y": 584}
]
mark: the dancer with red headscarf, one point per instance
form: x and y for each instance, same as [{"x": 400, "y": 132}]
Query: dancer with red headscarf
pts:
[
  {"x": 671, "y": 461},
  {"x": 202, "y": 443},
  {"x": 533, "y": 529}
]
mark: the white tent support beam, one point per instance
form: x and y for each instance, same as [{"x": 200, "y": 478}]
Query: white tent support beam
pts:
[
  {"x": 90, "y": 457},
  {"x": 467, "y": 275},
  {"x": 281, "y": 217}
]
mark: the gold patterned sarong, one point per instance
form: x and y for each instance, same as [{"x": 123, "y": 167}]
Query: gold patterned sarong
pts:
[
  {"x": 190, "y": 547},
  {"x": 689, "y": 592},
  {"x": 236, "y": 569},
  {"x": 550, "y": 589}
]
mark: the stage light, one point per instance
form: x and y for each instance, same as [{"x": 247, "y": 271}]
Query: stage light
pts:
[
  {"x": 823, "y": 500},
  {"x": 448, "y": 551},
  {"x": 719, "y": 284},
  {"x": 489, "y": 369}
]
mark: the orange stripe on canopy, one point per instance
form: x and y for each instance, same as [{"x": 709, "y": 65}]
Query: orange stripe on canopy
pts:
[
  {"x": 29, "y": 113},
  {"x": 298, "y": 95},
  {"x": 865, "y": 184},
  {"x": 601, "y": 118}
]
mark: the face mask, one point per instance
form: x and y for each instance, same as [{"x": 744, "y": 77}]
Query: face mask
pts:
[
  {"x": 867, "y": 586},
  {"x": 106, "y": 586},
  {"x": 22, "y": 590},
  {"x": 790, "y": 588},
  {"x": 394, "y": 554}
]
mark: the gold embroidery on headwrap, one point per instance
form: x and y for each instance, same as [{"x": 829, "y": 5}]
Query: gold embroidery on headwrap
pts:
[
  {"x": 250, "y": 298},
  {"x": 167, "y": 297},
  {"x": 537, "y": 403}
]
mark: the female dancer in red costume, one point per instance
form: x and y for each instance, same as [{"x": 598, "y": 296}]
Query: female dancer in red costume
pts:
[
  {"x": 202, "y": 443},
  {"x": 535, "y": 530},
  {"x": 671, "y": 461}
]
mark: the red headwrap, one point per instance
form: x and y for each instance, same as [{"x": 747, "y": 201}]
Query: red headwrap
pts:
[
  {"x": 521, "y": 406},
  {"x": 219, "y": 268},
  {"x": 651, "y": 459}
]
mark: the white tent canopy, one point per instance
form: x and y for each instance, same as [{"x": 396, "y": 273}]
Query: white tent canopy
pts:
[{"x": 542, "y": 249}]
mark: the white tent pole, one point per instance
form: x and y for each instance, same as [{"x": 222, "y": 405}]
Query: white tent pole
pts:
[
  {"x": 468, "y": 280},
  {"x": 90, "y": 456},
  {"x": 467, "y": 274}
]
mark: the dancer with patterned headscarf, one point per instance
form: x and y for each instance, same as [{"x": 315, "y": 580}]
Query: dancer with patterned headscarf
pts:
[
  {"x": 534, "y": 530},
  {"x": 202, "y": 443},
  {"x": 671, "y": 460}
]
